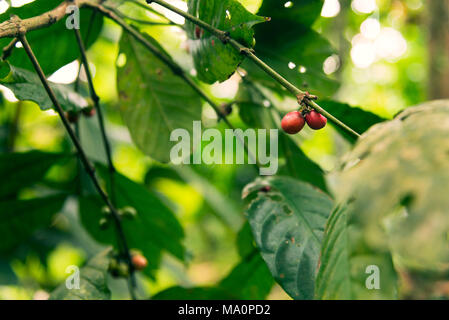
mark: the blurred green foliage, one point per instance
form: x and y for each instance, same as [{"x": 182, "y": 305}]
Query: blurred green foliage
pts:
[{"x": 205, "y": 199}]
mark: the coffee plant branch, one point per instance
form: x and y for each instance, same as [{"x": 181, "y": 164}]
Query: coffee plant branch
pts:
[
  {"x": 86, "y": 40},
  {"x": 82, "y": 155},
  {"x": 96, "y": 101},
  {"x": 176, "y": 69},
  {"x": 303, "y": 97},
  {"x": 10, "y": 29}
]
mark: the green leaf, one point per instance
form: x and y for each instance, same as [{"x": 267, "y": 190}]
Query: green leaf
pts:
[
  {"x": 396, "y": 180},
  {"x": 289, "y": 45},
  {"x": 308, "y": 10},
  {"x": 245, "y": 241},
  {"x": 288, "y": 223},
  {"x": 26, "y": 86},
  {"x": 93, "y": 281},
  {"x": 154, "y": 101},
  {"x": 250, "y": 279},
  {"x": 21, "y": 218},
  {"x": 59, "y": 47},
  {"x": 154, "y": 229},
  {"x": 299, "y": 166},
  {"x": 256, "y": 115},
  {"x": 356, "y": 118},
  {"x": 345, "y": 261},
  {"x": 198, "y": 293},
  {"x": 21, "y": 170},
  {"x": 215, "y": 61}
]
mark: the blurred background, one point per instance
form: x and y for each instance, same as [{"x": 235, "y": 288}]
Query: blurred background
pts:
[{"x": 389, "y": 55}]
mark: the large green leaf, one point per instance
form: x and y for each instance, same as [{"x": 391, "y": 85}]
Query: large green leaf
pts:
[
  {"x": 346, "y": 260},
  {"x": 20, "y": 170},
  {"x": 396, "y": 180},
  {"x": 307, "y": 10},
  {"x": 250, "y": 279},
  {"x": 288, "y": 218},
  {"x": 153, "y": 100},
  {"x": 289, "y": 45},
  {"x": 215, "y": 61},
  {"x": 26, "y": 86},
  {"x": 93, "y": 281},
  {"x": 356, "y": 118},
  {"x": 154, "y": 229},
  {"x": 299, "y": 166},
  {"x": 54, "y": 46},
  {"x": 21, "y": 218}
]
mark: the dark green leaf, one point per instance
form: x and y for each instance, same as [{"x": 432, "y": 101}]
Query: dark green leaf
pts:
[
  {"x": 289, "y": 45},
  {"x": 20, "y": 170},
  {"x": 256, "y": 115},
  {"x": 308, "y": 10},
  {"x": 215, "y": 61},
  {"x": 345, "y": 260},
  {"x": 154, "y": 229},
  {"x": 356, "y": 118},
  {"x": 299, "y": 166},
  {"x": 245, "y": 241},
  {"x": 26, "y": 86},
  {"x": 59, "y": 47},
  {"x": 21, "y": 218},
  {"x": 154, "y": 101},
  {"x": 288, "y": 223},
  {"x": 93, "y": 281}
]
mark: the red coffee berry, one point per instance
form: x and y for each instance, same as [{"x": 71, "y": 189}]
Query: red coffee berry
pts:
[
  {"x": 315, "y": 120},
  {"x": 139, "y": 261},
  {"x": 292, "y": 122},
  {"x": 198, "y": 32}
]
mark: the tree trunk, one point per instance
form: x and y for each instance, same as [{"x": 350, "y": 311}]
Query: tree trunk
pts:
[{"x": 438, "y": 48}]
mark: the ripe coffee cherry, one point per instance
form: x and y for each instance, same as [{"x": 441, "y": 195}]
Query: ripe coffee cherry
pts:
[
  {"x": 139, "y": 261},
  {"x": 315, "y": 120},
  {"x": 292, "y": 122}
]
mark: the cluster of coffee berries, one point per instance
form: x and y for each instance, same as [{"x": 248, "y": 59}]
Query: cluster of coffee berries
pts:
[
  {"x": 126, "y": 212},
  {"x": 294, "y": 121},
  {"x": 73, "y": 116}
]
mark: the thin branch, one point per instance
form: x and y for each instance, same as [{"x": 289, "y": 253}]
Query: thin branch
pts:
[
  {"x": 81, "y": 154},
  {"x": 147, "y": 8},
  {"x": 146, "y": 22},
  {"x": 9, "y": 48},
  {"x": 96, "y": 100},
  {"x": 303, "y": 97}
]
